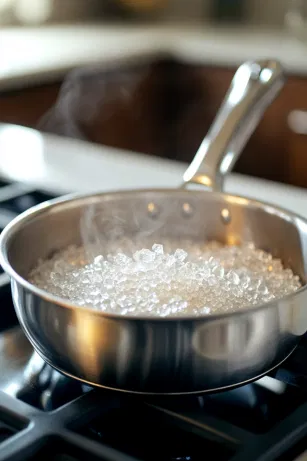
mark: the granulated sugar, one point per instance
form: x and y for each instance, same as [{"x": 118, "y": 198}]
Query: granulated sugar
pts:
[{"x": 161, "y": 280}]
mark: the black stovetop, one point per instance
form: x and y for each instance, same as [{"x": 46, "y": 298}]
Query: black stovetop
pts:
[{"x": 47, "y": 416}]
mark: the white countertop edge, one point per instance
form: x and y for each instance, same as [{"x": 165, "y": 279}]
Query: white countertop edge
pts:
[
  {"x": 41, "y": 55},
  {"x": 64, "y": 165}
]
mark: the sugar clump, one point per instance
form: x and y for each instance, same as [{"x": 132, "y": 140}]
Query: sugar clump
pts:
[{"x": 170, "y": 279}]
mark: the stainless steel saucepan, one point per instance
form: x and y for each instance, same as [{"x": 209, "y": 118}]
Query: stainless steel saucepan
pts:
[{"x": 170, "y": 355}]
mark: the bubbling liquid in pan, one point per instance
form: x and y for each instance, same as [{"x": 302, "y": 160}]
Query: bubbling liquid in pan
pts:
[{"x": 172, "y": 278}]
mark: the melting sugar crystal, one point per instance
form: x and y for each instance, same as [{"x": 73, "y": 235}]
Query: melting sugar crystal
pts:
[{"x": 166, "y": 279}]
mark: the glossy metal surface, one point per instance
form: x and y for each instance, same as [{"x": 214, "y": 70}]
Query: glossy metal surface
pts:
[
  {"x": 254, "y": 86},
  {"x": 148, "y": 355}
]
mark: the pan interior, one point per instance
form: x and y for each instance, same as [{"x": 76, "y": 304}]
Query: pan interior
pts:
[{"x": 155, "y": 215}]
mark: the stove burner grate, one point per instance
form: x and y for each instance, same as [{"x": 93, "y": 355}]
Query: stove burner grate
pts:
[{"x": 47, "y": 416}]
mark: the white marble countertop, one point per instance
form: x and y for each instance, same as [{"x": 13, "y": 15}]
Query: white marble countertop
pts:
[
  {"x": 61, "y": 165},
  {"x": 37, "y": 55}
]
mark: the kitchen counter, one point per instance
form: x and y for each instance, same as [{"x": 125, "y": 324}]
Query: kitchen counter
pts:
[
  {"x": 39, "y": 55},
  {"x": 61, "y": 165}
]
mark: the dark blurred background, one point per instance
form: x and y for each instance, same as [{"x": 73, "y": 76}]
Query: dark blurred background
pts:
[{"x": 149, "y": 76}]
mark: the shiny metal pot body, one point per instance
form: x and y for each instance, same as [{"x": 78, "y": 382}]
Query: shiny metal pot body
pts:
[
  {"x": 170, "y": 355},
  {"x": 159, "y": 355}
]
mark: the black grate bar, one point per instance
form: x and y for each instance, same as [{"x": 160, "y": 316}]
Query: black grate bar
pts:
[
  {"x": 16, "y": 409},
  {"x": 6, "y": 217},
  {"x": 84, "y": 409},
  {"x": 14, "y": 190},
  {"x": 95, "y": 448},
  {"x": 22, "y": 445},
  {"x": 249, "y": 452},
  {"x": 271, "y": 445},
  {"x": 286, "y": 434},
  {"x": 218, "y": 430}
]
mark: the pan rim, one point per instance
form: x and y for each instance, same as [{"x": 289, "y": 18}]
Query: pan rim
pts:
[{"x": 12, "y": 228}]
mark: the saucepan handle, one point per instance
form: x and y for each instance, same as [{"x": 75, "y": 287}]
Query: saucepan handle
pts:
[{"x": 253, "y": 88}]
